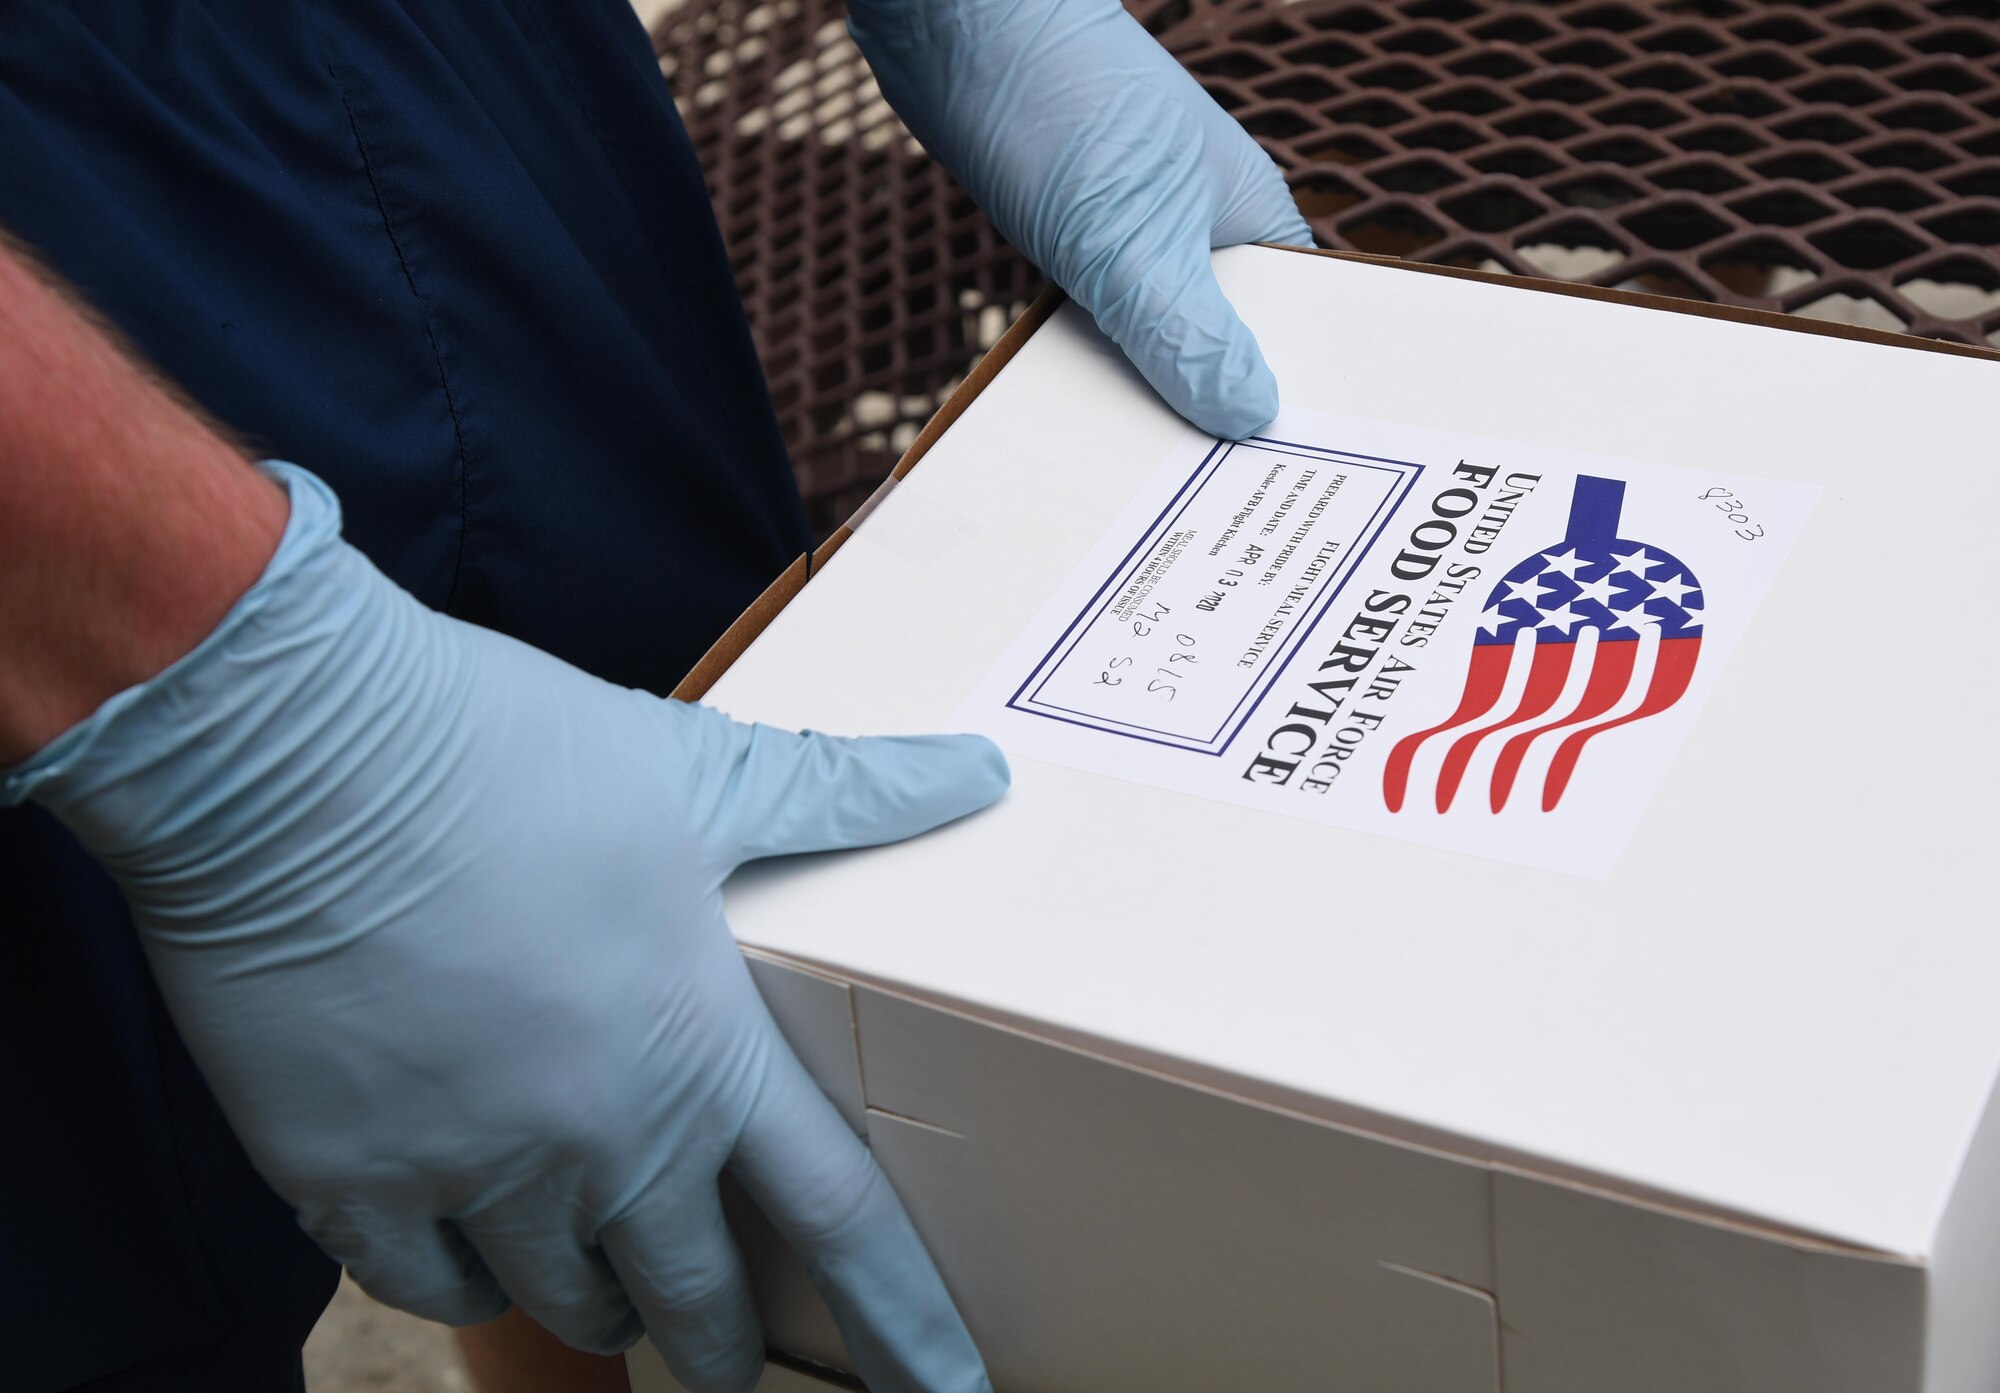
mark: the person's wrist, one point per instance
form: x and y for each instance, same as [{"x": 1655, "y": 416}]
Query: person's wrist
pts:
[
  {"x": 129, "y": 524},
  {"x": 145, "y": 617},
  {"x": 137, "y": 727}
]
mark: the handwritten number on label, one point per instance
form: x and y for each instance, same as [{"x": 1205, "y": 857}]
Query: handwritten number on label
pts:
[
  {"x": 1732, "y": 508},
  {"x": 1168, "y": 677}
]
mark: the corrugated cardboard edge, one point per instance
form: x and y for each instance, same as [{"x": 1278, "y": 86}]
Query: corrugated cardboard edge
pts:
[
  {"x": 1738, "y": 314},
  {"x": 753, "y": 620},
  {"x": 778, "y": 594}
]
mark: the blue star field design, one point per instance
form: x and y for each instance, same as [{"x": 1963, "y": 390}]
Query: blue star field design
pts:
[{"x": 1620, "y": 588}]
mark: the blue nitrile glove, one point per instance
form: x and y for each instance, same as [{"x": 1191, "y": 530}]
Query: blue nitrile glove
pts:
[
  {"x": 441, "y": 919},
  {"x": 1097, "y": 155}
]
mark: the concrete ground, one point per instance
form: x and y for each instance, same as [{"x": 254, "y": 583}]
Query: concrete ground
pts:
[{"x": 362, "y": 1347}]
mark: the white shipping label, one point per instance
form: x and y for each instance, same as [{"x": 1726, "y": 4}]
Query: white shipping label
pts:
[{"x": 1476, "y": 644}]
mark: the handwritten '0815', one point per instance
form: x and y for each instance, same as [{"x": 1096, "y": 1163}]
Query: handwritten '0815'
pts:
[
  {"x": 1732, "y": 508},
  {"x": 1168, "y": 680}
]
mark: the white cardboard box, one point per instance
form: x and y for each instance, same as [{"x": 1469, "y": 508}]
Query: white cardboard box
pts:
[{"x": 1187, "y": 1091}]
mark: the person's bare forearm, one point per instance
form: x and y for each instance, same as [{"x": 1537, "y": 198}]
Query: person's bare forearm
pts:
[{"x": 128, "y": 526}]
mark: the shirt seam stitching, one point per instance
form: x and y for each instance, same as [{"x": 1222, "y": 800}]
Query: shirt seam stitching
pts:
[{"x": 430, "y": 331}]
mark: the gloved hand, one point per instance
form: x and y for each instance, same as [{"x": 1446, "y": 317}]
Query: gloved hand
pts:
[
  {"x": 440, "y": 917},
  {"x": 1097, "y": 155}
]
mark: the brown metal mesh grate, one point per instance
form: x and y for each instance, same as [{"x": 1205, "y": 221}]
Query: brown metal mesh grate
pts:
[{"x": 1835, "y": 160}]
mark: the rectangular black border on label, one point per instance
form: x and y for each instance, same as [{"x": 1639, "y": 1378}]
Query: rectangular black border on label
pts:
[{"x": 1210, "y": 465}]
